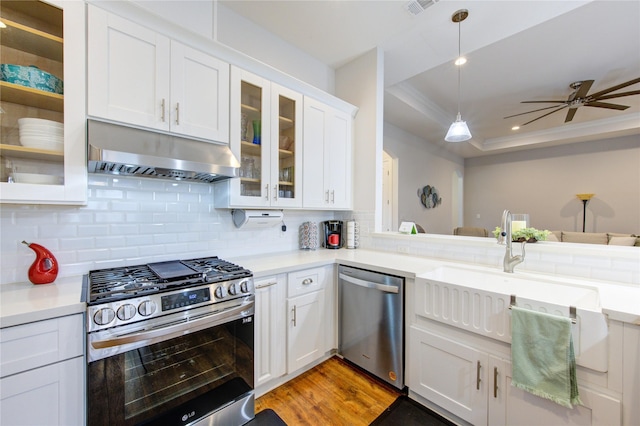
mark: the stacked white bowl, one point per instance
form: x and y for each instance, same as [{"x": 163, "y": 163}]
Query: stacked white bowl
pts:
[{"x": 41, "y": 134}]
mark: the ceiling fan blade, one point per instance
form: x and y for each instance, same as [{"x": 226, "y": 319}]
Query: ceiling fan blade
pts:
[
  {"x": 544, "y": 115},
  {"x": 606, "y": 105},
  {"x": 617, "y": 95},
  {"x": 614, "y": 88},
  {"x": 582, "y": 90},
  {"x": 535, "y": 110},
  {"x": 543, "y": 102},
  {"x": 570, "y": 114}
]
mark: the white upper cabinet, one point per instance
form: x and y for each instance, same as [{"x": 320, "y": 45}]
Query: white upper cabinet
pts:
[
  {"x": 43, "y": 163},
  {"x": 327, "y": 158},
  {"x": 199, "y": 94},
  {"x": 266, "y": 136},
  {"x": 140, "y": 77}
]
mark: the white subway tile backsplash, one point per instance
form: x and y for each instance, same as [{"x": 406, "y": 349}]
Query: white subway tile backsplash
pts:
[
  {"x": 58, "y": 231},
  {"x": 94, "y": 230},
  {"x": 125, "y": 183},
  {"x": 110, "y": 241},
  {"x": 110, "y": 194},
  {"x": 139, "y": 196},
  {"x": 77, "y": 243},
  {"x": 96, "y": 254}
]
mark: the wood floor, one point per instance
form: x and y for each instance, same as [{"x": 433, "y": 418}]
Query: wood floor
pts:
[{"x": 332, "y": 393}]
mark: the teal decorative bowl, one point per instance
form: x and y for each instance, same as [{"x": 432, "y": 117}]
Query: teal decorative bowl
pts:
[{"x": 31, "y": 76}]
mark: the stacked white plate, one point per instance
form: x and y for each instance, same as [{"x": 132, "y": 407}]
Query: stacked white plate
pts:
[
  {"x": 41, "y": 134},
  {"x": 37, "y": 178}
]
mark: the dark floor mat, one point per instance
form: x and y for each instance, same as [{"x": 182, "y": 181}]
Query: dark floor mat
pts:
[
  {"x": 406, "y": 412},
  {"x": 266, "y": 417}
]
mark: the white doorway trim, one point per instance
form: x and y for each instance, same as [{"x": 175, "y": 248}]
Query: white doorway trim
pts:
[{"x": 389, "y": 193}]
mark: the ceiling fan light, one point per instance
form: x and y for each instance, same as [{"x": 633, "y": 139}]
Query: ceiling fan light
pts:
[{"x": 458, "y": 132}]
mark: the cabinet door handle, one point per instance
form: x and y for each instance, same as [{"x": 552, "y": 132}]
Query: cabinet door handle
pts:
[
  {"x": 333, "y": 196},
  {"x": 478, "y": 380},
  {"x": 307, "y": 281},
  {"x": 495, "y": 382},
  {"x": 265, "y": 285},
  {"x": 326, "y": 196},
  {"x": 294, "y": 315},
  {"x": 163, "y": 108},
  {"x": 266, "y": 191},
  {"x": 275, "y": 192},
  {"x": 178, "y": 113}
]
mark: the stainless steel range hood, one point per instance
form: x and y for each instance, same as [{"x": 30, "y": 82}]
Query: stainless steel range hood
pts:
[{"x": 121, "y": 150}]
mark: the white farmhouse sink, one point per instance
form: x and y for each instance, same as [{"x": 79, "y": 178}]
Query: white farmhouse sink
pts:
[
  {"x": 478, "y": 300},
  {"x": 528, "y": 287}
]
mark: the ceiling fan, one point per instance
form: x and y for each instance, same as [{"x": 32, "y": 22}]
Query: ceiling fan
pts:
[{"x": 579, "y": 97}]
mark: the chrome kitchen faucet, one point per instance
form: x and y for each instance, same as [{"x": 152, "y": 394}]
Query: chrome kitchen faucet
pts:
[{"x": 510, "y": 261}]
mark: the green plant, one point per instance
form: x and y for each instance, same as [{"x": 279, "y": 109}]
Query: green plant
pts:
[{"x": 525, "y": 234}]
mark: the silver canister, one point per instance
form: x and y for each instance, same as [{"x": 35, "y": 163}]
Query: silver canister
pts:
[{"x": 308, "y": 236}]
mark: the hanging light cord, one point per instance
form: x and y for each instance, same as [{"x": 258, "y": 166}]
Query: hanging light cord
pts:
[{"x": 459, "y": 54}]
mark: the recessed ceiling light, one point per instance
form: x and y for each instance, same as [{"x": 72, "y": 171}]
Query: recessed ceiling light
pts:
[
  {"x": 461, "y": 60},
  {"x": 515, "y": 128}
]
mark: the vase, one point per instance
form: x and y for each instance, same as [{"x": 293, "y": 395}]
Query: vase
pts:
[
  {"x": 256, "y": 132},
  {"x": 244, "y": 121}
]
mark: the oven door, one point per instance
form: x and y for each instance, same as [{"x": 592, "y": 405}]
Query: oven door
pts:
[{"x": 175, "y": 370}]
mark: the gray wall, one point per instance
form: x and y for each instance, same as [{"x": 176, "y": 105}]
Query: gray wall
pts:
[
  {"x": 419, "y": 164},
  {"x": 544, "y": 183}
]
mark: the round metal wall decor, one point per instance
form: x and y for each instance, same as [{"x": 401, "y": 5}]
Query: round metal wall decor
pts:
[{"x": 429, "y": 197}]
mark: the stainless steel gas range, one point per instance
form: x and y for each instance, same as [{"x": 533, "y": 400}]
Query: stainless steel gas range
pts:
[{"x": 170, "y": 343}]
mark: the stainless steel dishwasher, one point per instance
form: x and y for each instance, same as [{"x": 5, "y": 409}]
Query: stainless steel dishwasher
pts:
[{"x": 371, "y": 322}]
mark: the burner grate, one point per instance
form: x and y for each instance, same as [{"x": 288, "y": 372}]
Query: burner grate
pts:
[
  {"x": 217, "y": 269},
  {"x": 131, "y": 281}
]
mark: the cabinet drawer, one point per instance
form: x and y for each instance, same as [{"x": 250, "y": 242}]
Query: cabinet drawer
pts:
[
  {"x": 303, "y": 282},
  {"x": 33, "y": 345}
]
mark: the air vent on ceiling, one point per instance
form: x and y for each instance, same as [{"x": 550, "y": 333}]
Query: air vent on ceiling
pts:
[{"x": 416, "y": 7}]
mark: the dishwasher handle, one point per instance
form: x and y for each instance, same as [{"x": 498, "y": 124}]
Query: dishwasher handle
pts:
[{"x": 369, "y": 284}]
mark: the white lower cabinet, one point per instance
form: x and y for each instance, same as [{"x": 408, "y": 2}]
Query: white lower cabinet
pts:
[
  {"x": 310, "y": 323},
  {"x": 270, "y": 331},
  {"x": 50, "y": 395},
  {"x": 474, "y": 384},
  {"x": 42, "y": 373},
  {"x": 449, "y": 374}
]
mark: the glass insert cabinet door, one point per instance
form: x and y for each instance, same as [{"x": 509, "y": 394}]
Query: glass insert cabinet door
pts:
[
  {"x": 42, "y": 155},
  {"x": 266, "y": 137},
  {"x": 287, "y": 147},
  {"x": 32, "y": 94},
  {"x": 251, "y": 146}
]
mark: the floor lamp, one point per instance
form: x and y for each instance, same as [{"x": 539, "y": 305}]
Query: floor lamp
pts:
[{"x": 585, "y": 198}]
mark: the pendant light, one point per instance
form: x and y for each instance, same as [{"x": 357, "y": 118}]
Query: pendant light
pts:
[{"x": 459, "y": 131}]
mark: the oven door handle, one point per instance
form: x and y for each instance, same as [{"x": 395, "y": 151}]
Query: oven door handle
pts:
[{"x": 178, "y": 328}]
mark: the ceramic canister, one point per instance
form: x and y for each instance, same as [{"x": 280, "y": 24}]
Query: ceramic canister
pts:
[
  {"x": 308, "y": 236},
  {"x": 353, "y": 234}
]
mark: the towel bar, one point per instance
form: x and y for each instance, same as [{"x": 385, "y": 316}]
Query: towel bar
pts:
[{"x": 572, "y": 309}]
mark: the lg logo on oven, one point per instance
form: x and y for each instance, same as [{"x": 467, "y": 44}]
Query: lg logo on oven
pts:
[{"x": 187, "y": 416}]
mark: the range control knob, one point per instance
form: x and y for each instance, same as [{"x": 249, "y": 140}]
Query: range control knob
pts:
[
  {"x": 233, "y": 289},
  {"x": 244, "y": 286},
  {"x": 220, "y": 292},
  {"x": 147, "y": 308},
  {"x": 104, "y": 316},
  {"x": 126, "y": 312}
]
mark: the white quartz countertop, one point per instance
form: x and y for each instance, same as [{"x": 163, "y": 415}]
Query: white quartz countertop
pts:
[{"x": 24, "y": 302}]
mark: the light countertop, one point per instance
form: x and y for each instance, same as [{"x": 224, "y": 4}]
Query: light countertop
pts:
[{"x": 24, "y": 302}]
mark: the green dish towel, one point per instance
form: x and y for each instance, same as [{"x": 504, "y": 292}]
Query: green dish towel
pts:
[{"x": 542, "y": 358}]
